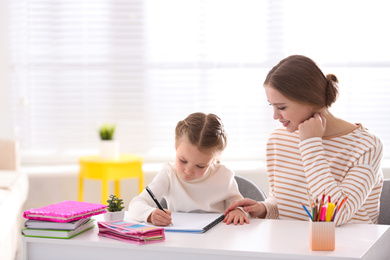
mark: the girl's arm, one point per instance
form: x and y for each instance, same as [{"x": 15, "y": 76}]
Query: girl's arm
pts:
[{"x": 142, "y": 206}]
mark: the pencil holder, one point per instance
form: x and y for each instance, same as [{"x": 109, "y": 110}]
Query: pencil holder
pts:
[{"x": 322, "y": 236}]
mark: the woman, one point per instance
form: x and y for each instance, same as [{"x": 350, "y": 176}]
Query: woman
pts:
[{"x": 315, "y": 153}]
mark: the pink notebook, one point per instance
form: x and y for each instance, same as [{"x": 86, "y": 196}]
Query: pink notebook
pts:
[
  {"x": 65, "y": 211},
  {"x": 131, "y": 232}
]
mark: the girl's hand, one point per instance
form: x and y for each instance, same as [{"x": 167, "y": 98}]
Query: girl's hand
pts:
[
  {"x": 254, "y": 208},
  {"x": 160, "y": 218},
  {"x": 313, "y": 127},
  {"x": 236, "y": 216}
]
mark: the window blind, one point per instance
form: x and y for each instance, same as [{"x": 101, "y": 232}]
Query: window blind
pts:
[{"x": 145, "y": 65}]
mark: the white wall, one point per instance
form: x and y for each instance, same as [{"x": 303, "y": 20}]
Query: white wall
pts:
[{"x": 6, "y": 128}]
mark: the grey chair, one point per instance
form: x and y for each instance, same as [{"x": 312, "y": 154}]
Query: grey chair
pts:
[
  {"x": 247, "y": 188},
  {"x": 384, "y": 210}
]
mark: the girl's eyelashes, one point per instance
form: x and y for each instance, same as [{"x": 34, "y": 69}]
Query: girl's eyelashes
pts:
[
  {"x": 200, "y": 167},
  {"x": 183, "y": 161}
]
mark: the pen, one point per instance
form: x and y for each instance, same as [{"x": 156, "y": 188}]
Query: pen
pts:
[
  {"x": 337, "y": 210},
  {"x": 334, "y": 214},
  {"x": 329, "y": 211},
  {"x": 315, "y": 217},
  {"x": 320, "y": 207},
  {"x": 308, "y": 213},
  {"x": 342, "y": 202},
  {"x": 314, "y": 211},
  {"x": 323, "y": 213},
  {"x": 155, "y": 199}
]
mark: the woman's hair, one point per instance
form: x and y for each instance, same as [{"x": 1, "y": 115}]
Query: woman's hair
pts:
[
  {"x": 206, "y": 132},
  {"x": 299, "y": 78}
]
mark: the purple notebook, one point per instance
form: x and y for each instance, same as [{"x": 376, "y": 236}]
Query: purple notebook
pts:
[{"x": 65, "y": 211}]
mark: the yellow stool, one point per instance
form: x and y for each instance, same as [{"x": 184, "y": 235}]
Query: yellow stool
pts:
[{"x": 93, "y": 167}]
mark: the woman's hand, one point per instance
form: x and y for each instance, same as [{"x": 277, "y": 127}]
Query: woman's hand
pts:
[
  {"x": 313, "y": 127},
  {"x": 160, "y": 218},
  {"x": 254, "y": 208}
]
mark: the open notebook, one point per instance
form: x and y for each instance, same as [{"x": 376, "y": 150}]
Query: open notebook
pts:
[{"x": 193, "y": 222}]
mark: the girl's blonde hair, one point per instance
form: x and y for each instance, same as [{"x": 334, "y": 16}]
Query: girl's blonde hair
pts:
[{"x": 205, "y": 131}]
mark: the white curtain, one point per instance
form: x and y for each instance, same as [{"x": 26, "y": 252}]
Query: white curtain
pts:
[{"x": 146, "y": 64}]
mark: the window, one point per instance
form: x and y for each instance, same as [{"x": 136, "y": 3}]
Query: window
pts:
[{"x": 145, "y": 65}]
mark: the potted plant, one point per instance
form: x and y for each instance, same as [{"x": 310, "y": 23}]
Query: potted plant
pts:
[
  {"x": 109, "y": 148},
  {"x": 114, "y": 208},
  {"x": 106, "y": 132}
]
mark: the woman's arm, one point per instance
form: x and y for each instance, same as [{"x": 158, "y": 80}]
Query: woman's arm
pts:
[
  {"x": 254, "y": 208},
  {"x": 357, "y": 181}
]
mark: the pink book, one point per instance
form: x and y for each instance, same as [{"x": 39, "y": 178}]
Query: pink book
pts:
[
  {"x": 131, "y": 232},
  {"x": 65, "y": 211}
]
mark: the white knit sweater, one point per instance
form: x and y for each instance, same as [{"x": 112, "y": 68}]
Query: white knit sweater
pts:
[{"x": 211, "y": 193}]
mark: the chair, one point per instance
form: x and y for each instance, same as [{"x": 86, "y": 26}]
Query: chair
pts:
[
  {"x": 384, "y": 210},
  {"x": 247, "y": 188}
]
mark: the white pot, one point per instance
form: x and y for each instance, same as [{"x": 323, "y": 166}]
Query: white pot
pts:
[
  {"x": 109, "y": 149},
  {"x": 114, "y": 216}
]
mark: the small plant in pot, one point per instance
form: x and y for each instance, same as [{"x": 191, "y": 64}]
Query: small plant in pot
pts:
[
  {"x": 106, "y": 132},
  {"x": 115, "y": 209},
  {"x": 109, "y": 148}
]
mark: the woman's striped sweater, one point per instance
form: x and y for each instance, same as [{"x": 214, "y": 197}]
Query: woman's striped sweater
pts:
[{"x": 344, "y": 165}]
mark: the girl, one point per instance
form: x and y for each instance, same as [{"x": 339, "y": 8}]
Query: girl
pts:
[
  {"x": 197, "y": 182},
  {"x": 316, "y": 153}
]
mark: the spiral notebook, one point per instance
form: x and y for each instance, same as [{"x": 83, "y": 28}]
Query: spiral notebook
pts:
[{"x": 194, "y": 222}]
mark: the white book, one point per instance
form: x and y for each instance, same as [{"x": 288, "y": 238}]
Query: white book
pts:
[
  {"x": 43, "y": 224},
  {"x": 52, "y": 233}
]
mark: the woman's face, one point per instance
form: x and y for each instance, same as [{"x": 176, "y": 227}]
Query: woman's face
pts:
[{"x": 290, "y": 113}]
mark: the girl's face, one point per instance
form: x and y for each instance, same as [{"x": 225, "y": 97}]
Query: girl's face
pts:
[
  {"x": 191, "y": 164},
  {"x": 290, "y": 113}
]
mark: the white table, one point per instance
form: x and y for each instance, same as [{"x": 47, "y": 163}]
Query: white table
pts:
[{"x": 261, "y": 239}]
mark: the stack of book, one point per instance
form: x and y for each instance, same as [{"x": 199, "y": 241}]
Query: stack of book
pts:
[
  {"x": 131, "y": 232},
  {"x": 61, "y": 220}
]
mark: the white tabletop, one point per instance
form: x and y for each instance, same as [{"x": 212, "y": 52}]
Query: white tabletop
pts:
[{"x": 265, "y": 239}]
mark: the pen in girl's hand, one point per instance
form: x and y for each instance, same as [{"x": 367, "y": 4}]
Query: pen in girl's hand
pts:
[{"x": 155, "y": 199}]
